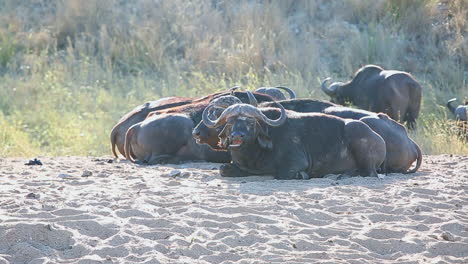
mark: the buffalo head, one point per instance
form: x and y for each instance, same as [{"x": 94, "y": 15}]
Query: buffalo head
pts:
[
  {"x": 275, "y": 92},
  {"x": 209, "y": 135},
  {"x": 460, "y": 112},
  {"x": 335, "y": 91},
  {"x": 244, "y": 125}
]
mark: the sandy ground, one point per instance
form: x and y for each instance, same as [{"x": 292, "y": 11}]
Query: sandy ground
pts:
[{"x": 86, "y": 210}]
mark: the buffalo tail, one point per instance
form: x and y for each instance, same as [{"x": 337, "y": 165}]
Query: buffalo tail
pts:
[
  {"x": 128, "y": 146},
  {"x": 418, "y": 160}
]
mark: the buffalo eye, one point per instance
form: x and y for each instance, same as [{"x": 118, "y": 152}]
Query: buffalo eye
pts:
[{"x": 219, "y": 129}]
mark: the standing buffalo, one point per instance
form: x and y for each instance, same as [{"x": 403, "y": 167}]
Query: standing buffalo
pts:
[
  {"x": 293, "y": 145},
  {"x": 276, "y": 93},
  {"x": 395, "y": 93},
  {"x": 460, "y": 111},
  {"x": 166, "y": 135}
]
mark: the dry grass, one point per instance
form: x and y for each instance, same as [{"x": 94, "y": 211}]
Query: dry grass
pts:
[{"x": 70, "y": 69}]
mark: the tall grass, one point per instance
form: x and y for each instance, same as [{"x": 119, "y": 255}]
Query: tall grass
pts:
[{"x": 70, "y": 69}]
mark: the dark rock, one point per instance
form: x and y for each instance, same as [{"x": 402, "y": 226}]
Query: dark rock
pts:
[{"x": 34, "y": 161}]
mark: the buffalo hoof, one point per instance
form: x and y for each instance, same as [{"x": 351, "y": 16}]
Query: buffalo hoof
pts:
[
  {"x": 230, "y": 170},
  {"x": 303, "y": 175},
  {"x": 411, "y": 125}
]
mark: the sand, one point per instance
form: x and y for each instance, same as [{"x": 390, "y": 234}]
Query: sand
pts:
[{"x": 86, "y": 210}]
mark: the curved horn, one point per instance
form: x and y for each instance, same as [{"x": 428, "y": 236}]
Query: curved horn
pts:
[
  {"x": 232, "y": 110},
  {"x": 252, "y": 99},
  {"x": 271, "y": 122},
  {"x": 292, "y": 94},
  {"x": 206, "y": 119},
  {"x": 450, "y": 106},
  {"x": 330, "y": 91}
]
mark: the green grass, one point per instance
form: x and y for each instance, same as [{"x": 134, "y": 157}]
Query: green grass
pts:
[{"x": 69, "y": 71}]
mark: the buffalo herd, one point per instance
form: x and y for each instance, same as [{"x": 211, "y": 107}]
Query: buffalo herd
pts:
[{"x": 266, "y": 133}]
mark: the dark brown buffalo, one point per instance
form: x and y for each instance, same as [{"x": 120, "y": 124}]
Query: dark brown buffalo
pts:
[
  {"x": 167, "y": 138},
  {"x": 460, "y": 112},
  {"x": 276, "y": 93},
  {"x": 291, "y": 145},
  {"x": 206, "y": 135},
  {"x": 395, "y": 93},
  {"x": 461, "y": 116},
  {"x": 401, "y": 150},
  {"x": 139, "y": 114},
  {"x": 166, "y": 135}
]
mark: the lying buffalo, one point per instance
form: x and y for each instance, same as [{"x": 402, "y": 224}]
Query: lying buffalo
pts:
[
  {"x": 395, "y": 93},
  {"x": 295, "y": 145},
  {"x": 207, "y": 135},
  {"x": 139, "y": 114},
  {"x": 166, "y": 135},
  {"x": 276, "y": 93},
  {"x": 204, "y": 135},
  {"x": 167, "y": 139},
  {"x": 460, "y": 111},
  {"x": 401, "y": 150}
]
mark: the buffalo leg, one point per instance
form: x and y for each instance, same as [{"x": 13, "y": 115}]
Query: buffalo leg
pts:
[
  {"x": 160, "y": 159},
  {"x": 292, "y": 168},
  {"x": 368, "y": 147},
  {"x": 231, "y": 170},
  {"x": 288, "y": 172}
]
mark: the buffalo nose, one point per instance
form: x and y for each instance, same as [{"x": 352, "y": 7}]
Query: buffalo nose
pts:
[{"x": 237, "y": 135}]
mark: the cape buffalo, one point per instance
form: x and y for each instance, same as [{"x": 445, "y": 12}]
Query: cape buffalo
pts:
[
  {"x": 209, "y": 136},
  {"x": 401, "y": 150},
  {"x": 139, "y": 114},
  {"x": 295, "y": 145},
  {"x": 276, "y": 93},
  {"x": 166, "y": 135},
  {"x": 461, "y": 114},
  {"x": 204, "y": 135},
  {"x": 395, "y": 93},
  {"x": 167, "y": 139},
  {"x": 460, "y": 111}
]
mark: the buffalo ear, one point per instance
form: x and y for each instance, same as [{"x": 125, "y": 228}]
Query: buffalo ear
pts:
[
  {"x": 263, "y": 139},
  {"x": 223, "y": 138}
]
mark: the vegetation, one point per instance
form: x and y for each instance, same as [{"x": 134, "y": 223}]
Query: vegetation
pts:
[{"x": 69, "y": 69}]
